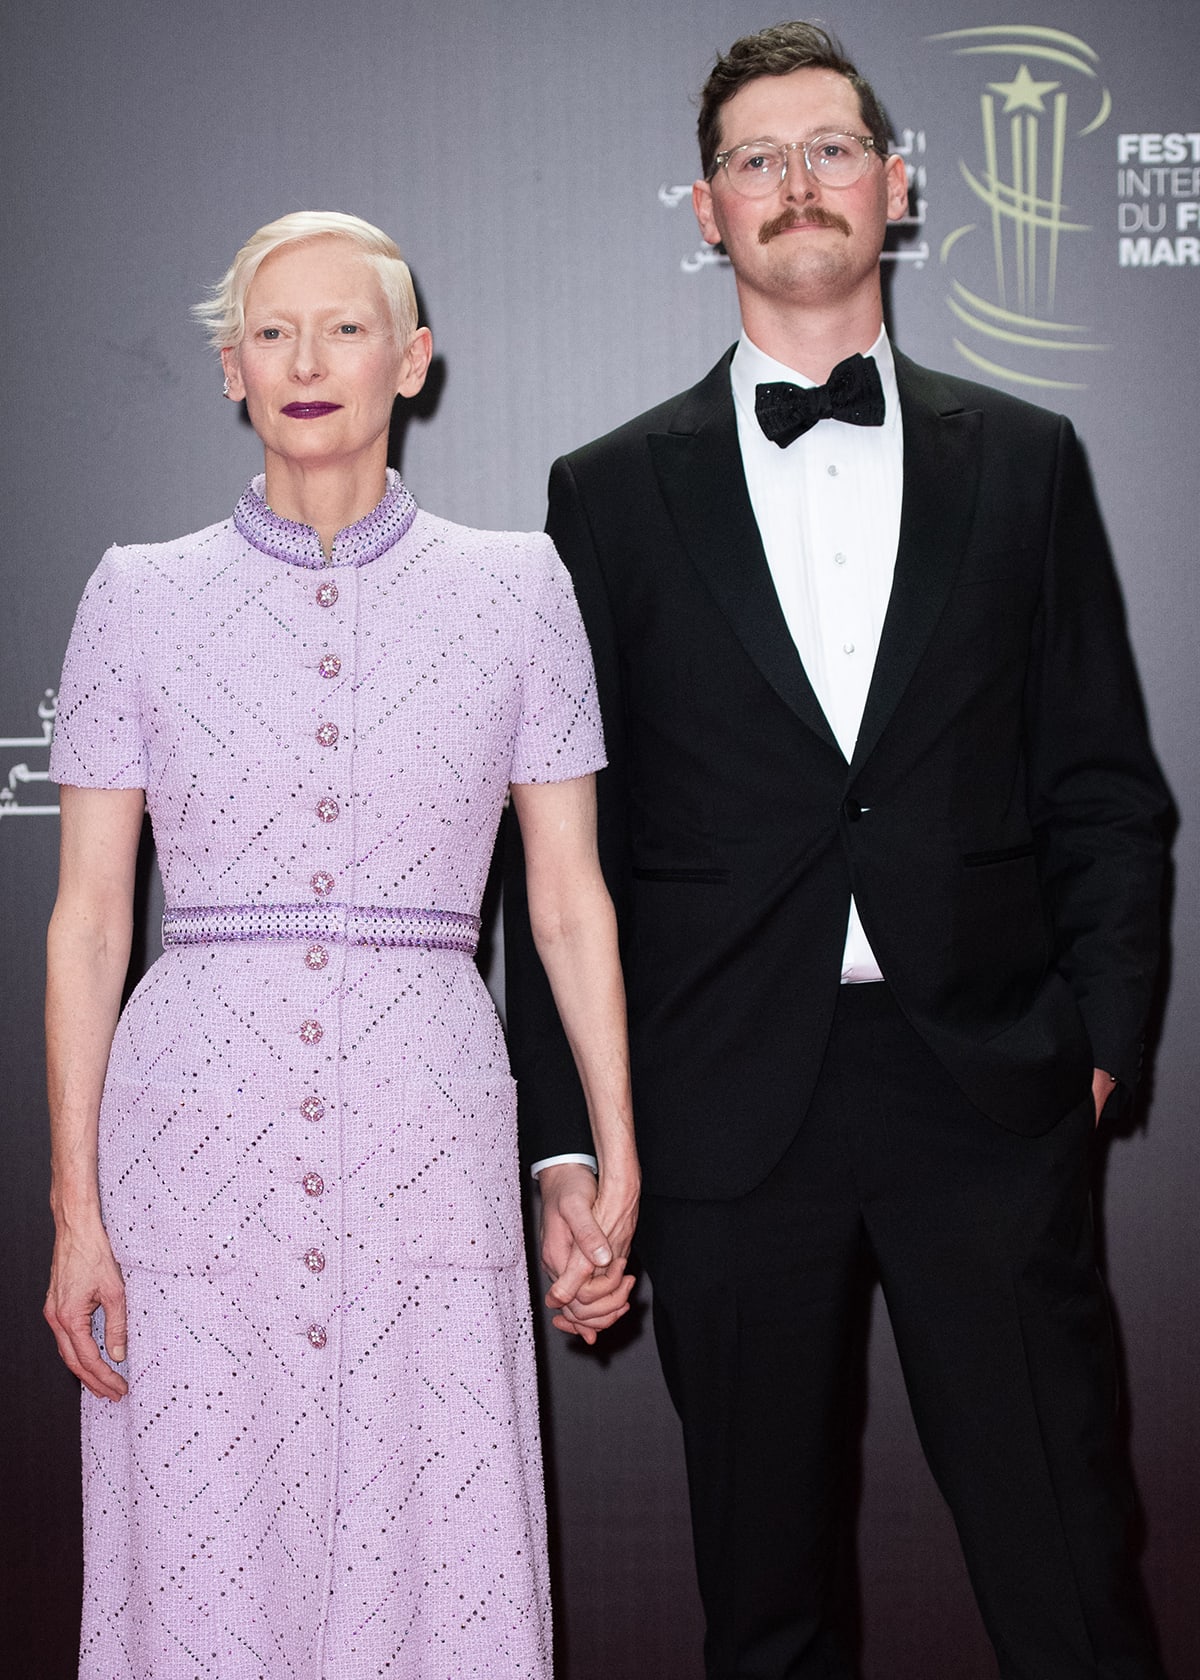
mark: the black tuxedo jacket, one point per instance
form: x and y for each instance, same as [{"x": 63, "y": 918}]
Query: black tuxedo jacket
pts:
[{"x": 999, "y": 824}]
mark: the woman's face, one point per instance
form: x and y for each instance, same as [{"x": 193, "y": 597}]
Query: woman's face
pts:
[{"x": 319, "y": 364}]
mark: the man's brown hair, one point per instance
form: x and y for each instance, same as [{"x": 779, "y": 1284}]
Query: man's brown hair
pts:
[{"x": 777, "y": 52}]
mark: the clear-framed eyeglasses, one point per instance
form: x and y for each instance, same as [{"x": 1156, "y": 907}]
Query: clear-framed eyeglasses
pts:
[{"x": 760, "y": 166}]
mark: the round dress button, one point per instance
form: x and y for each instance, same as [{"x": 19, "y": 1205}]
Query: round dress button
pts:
[
  {"x": 317, "y": 1336},
  {"x": 329, "y": 665},
  {"x": 327, "y": 734},
  {"x": 316, "y": 957},
  {"x": 315, "y": 1260},
  {"x": 311, "y": 1032},
  {"x": 312, "y": 1108},
  {"x": 327, "y": 594},
  {"x": 322, "y": 883},
  {"x": 314, "y": 1184},
  {"x": 328, "y": 809}
]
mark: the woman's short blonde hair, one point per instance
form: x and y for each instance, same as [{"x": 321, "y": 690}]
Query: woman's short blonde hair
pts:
[{"x": 223, "y": 314}]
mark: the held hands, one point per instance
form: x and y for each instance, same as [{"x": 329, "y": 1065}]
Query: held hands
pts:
[
  {"x": 587, "y": 1229},
  {"x": 84, "y": 1276}
]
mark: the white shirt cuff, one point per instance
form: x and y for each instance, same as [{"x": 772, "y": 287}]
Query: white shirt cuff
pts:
[{"x": 561, "y": 1160}]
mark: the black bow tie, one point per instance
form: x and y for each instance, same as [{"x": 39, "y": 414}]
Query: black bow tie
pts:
[{"x": 853, "y": 393}]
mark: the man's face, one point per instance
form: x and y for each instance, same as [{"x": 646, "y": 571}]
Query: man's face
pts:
[{"x": 806, "y": 243}]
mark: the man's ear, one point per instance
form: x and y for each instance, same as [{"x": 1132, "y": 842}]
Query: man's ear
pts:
[
  {"x": 702, "y": 204},
  {"x": 896, "y": 176}
]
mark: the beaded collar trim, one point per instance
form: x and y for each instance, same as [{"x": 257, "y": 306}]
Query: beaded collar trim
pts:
[{"x": 358, "y": 544}]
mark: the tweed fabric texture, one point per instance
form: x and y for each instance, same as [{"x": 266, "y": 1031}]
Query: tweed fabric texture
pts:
[{"x": 327, "y": 1465}]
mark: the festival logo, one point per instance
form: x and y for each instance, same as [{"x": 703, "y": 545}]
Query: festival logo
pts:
[
  {"x": 21, "y": 791},
  {"x": 1041, "y": 95}
]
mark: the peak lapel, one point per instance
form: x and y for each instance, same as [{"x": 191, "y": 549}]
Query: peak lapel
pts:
[
  {"x": 699, "y": 468},
  {"x": 941, "y": 469}
]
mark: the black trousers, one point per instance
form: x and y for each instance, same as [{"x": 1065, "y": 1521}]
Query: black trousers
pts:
[{"x": 983, "y": 1243}]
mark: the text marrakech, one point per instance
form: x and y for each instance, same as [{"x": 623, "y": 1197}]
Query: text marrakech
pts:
[{"x": 1180, "y": 252}]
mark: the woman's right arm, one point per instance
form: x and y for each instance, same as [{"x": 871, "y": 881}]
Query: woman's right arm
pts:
[{"x": 87, "y": 956}]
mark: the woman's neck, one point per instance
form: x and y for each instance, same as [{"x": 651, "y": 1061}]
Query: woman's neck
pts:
[{"x": 327, "y": 498}]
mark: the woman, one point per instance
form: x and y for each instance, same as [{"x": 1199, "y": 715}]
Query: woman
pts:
[{"x": 286, "y": 1176}]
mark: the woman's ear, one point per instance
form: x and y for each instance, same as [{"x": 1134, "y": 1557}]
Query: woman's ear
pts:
[
  {"x": 414, "y": 364},
  {"x": 232, "y": 367}
]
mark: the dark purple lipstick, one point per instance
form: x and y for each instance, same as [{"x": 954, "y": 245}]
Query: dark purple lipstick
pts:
[{"x": 310, "y": 410}]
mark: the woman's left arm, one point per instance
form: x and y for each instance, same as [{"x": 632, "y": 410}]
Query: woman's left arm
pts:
[{"x": 575, "y": 931}]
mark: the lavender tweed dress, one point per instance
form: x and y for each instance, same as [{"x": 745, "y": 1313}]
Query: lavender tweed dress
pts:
[{"x": 327, "y": 1465}]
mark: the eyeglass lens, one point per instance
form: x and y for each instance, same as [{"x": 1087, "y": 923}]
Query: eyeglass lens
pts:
[{"x": 836, "y": 159}]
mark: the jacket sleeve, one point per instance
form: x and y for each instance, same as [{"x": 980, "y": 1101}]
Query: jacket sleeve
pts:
[
  {"x": 1098, "y": 802},
  {"x": 551, "y": 1108}
]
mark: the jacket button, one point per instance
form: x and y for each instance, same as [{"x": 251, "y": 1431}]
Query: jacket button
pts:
[{"x": 853, "y": 810}]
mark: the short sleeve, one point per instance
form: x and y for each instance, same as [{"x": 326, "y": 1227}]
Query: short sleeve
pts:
[
  {"x": 559, "y": 735},
  {"x": 98, "y": 740}
]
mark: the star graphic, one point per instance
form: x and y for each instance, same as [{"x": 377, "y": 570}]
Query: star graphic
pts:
[{"x": 1023, "y": 93}]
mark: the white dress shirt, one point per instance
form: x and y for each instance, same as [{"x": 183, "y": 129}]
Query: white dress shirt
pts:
[{"x": 828, "y": 511}]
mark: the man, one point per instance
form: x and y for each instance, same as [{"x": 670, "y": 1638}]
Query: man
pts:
[{"x": 883, "y": 828}]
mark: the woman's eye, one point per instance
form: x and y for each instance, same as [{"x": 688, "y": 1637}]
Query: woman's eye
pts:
[
  {"x": 269, "y": 332},
  {"x": 349, "y": 328}
]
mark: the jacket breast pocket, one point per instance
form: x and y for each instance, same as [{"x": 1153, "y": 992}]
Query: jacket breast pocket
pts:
[
  {"x": 999, "y": 854},
  {"x": 1004, "y": 567}
]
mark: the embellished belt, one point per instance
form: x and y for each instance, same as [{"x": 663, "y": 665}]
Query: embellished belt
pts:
[{"x": 345, "y": 924}]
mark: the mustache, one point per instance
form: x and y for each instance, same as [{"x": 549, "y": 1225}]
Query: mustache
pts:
[{"x": 818, "y": 216}]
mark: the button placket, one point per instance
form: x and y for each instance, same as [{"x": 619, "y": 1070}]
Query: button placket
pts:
[{"x": 326, "y": 809}]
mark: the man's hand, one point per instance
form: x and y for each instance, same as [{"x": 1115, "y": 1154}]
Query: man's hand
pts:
[
  {"x": 587, "y": 1228},
  {"x": 1103, "y": 1086}
]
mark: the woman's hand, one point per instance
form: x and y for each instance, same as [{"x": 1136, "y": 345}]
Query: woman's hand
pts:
[
  {"x": 587, "y": 1227},
  {"x": 84, "y": 1276},
  {"x": 587, "y": 1230}
]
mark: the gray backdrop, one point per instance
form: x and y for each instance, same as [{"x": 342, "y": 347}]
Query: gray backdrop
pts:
[{"x": 526, "y": 156}]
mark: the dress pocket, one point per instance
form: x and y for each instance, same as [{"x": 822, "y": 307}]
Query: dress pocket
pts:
[
  {"x": 440, "y": 1185},
  {"x": 173, "y": 1166}
]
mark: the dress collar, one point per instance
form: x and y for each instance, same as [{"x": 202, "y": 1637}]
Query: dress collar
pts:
[{"x": 358, "y": 544}]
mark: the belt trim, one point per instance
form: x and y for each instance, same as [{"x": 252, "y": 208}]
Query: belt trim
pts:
[{"x": 343, "y": 924}]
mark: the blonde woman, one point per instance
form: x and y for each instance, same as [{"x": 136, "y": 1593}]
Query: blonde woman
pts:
[{"x": 285, "y": 1179}]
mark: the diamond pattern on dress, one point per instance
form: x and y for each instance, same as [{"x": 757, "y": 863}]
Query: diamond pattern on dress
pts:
[{"x": 259, "y": 1505}]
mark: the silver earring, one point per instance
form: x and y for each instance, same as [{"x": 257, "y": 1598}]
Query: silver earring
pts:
[{"x": 225, "y": 389}]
